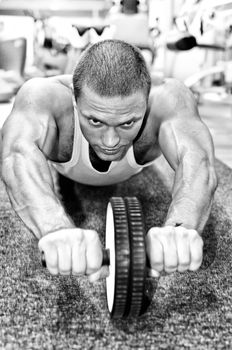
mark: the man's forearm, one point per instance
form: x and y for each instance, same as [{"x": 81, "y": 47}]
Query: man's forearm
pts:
[
  {"x": 192, "y": 195},
  {"x": 187, "y": 145},
  {"x": 45, "y": 219},
  {"x": 30, "y": 188}
]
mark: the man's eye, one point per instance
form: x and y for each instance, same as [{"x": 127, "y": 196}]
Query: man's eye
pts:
[
  {"x": 94, "y": 122},
  {"x": 129, "y": 124}
]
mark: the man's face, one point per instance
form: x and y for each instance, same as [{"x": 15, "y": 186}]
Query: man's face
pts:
[{"x": 110, "y": 124}]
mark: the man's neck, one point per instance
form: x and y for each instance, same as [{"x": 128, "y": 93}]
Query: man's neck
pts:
[{"x": 97, "y": 163}]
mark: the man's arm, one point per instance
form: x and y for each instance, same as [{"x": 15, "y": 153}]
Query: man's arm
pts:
[
  {"x": 187, "y": 145},
  {"x": 25, "y": 170},
  {"x": 29, "y": 137}
]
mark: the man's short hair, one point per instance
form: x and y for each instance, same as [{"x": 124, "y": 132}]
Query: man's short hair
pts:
[{"x": 112, "y": 68}]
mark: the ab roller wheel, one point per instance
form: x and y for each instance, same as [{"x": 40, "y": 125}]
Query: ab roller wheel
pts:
[
  {"x": 125, "y": 254},
  {"x": 125, "y": 241}
]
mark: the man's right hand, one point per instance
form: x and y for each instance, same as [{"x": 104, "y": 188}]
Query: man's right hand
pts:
[{"x": 74, "y": 251}]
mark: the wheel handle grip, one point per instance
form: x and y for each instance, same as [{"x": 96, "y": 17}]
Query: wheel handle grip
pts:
[{"x": 105, "y": 258}]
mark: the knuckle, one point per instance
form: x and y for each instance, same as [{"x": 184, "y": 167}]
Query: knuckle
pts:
[
  {"x": 40, "y": 245},
  {"x": 168, "y": 230},
  {"x": 78, "y": 242},
  {"x": 168, "y": 235},
  {"x": 79, "y": 235},
  {"x": 153, "y": 233},
  {"x": 182, "y": 233},
  {"x": 66, "y": 237},
  {"x": 150, "y": 238},
  {"x": 195, "y": 235},
  {"x": 43, "y": 243},
  {"x": 92, "y": 235}
]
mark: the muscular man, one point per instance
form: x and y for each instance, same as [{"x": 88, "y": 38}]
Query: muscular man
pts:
[{"x": 101, "y": 126}]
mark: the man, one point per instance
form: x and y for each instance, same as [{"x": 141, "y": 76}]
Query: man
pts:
[{"x": 101, "y": 126}]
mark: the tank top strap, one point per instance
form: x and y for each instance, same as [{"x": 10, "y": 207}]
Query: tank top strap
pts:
[
  {"x": 132, "y": 161},
  {"x": 131, "y": 158},
  {"x": 76, "y": 149}
]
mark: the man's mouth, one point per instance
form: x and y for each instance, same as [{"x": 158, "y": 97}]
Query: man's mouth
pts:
[{"x": 110, "y": 150}]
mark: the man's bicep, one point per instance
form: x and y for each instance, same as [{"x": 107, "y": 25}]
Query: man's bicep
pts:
[
  {"x": 27, "y": 127},
  {"x": 31, "y": 118},
  {"x": 167, "y": 144},
  {"x": 17, "y": 129},
  {"x": 24, "y": 164}
]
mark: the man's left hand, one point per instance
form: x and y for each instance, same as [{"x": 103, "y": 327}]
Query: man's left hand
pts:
[{"x": 173, "y": 249}]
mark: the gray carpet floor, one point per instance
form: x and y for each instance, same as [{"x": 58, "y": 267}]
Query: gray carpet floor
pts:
[{"x": 188, "y": 311}]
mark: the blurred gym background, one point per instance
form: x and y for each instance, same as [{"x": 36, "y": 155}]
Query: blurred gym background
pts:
[{"x": 190, "y": 40}]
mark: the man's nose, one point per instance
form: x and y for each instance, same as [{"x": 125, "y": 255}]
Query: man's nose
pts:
[{"x": 111, "y": 138}]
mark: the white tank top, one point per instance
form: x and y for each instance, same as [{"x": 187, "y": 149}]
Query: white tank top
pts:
[{"x": 80, "y": 169}]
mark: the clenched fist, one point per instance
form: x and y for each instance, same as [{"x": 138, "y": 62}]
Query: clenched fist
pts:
[
  {"x": 173, "y": 249},
  {"x": 74, "y": 251}
]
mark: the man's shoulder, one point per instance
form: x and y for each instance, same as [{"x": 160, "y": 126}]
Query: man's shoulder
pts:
[
  {"x": 165, "y": 87},
  {"x": 45, "y": 93},
  {"x": 44, "y": 90},
  {"x": 58, "y": 81},
  {"x": 169, "y": 97}
]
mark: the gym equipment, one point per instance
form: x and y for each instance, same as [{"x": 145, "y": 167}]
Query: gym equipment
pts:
[
  {"x": 125, "y": 241},
  {"x": 127, "y": 291},
  {"x": 12, "y": 64},
  {"x": 83, "y": 29},
  {"x": 211, "y": 82},
  {"x": 13, "y": 55},
  {"x": 184, "y": 42}
]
